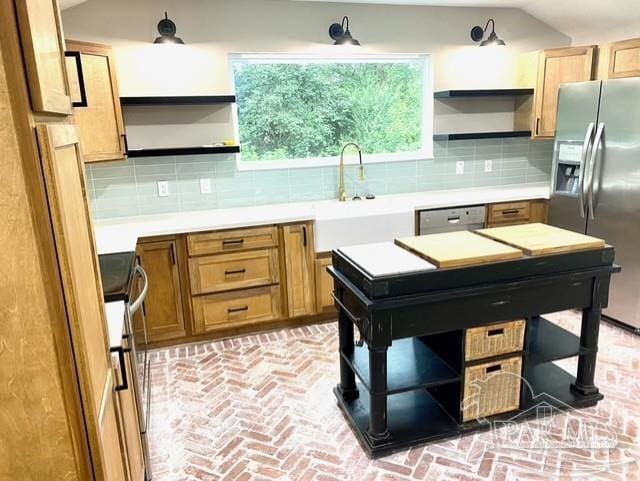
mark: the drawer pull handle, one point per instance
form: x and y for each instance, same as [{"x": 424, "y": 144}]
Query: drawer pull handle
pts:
[
  {"x": 495, "y": 368},
  {"x": 510, "y": 212},
  {"x": 495, "y": 332},
  {"x": 236, "y": 271},
  {"x": 232, "y": 242},
  {"x": 231, "y": 310}
]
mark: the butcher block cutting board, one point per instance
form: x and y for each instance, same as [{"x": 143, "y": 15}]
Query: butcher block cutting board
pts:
[
  {"x": 542, "y": 239},
  {"x": 457, "y": 249}
]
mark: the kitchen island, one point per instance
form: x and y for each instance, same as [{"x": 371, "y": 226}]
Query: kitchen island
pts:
[{"x": 402, "y": 383}]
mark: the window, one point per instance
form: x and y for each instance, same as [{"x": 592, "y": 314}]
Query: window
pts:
[{"x": 298, "y": 111}]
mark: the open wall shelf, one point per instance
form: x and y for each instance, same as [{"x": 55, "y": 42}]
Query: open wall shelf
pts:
[
  {"x": 448, "y": 94},
  {"x": 179, "y": 100},
  {"x": 226, "y": 149},
  {"x": 483, "y": 135}
]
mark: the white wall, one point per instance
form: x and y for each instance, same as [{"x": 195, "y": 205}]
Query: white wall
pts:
[{"x": 214, "y": 28}]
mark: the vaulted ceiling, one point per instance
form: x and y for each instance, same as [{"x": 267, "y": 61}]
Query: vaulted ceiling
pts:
[{"x": 582, "y": 20}]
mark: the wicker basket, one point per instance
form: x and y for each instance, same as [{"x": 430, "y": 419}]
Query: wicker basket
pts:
[
  {"x": 494, "y": 340},
  {"x": 491, "y": 388}
]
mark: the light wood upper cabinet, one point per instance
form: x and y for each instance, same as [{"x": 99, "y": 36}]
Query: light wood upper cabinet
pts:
[
  {"x": 299, "y": 260},
  {"x": 43, "y": 51},
  {"x": 163, "y": 305},
  {"x": 555, "y": 67},
  {"x": 624, "y": 59},
  {"x": 73, "y": 233},
  {"x": 102, "y": 135}
]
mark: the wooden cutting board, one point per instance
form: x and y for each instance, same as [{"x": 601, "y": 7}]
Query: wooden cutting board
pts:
[
  {"x": 457, "y": 249},
  {"x": 542, "y": 239}
]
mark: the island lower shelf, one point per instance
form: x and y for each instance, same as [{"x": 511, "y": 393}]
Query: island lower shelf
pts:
[{"x": 423, "y": 390}]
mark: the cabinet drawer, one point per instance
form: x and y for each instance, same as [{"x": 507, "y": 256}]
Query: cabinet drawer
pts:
[
  {"x": 238, "y": 308},
  {"x": 511, "y": 212},
  {"x": 238, "y": 270},
  {"x": 232, "y": 240},
  {"x": 494, "y": 340}
]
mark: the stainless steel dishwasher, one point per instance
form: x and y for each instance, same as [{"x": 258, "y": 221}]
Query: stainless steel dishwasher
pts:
[{"x": 448, "y": 220}]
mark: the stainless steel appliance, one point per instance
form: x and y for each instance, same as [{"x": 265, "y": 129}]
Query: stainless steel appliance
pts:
[
  {"x": 448, "y": 220},
  {"x": 142, "y": 373},
  {"x": 120, "y": 273},
  {"x": 595, "y": 179}
]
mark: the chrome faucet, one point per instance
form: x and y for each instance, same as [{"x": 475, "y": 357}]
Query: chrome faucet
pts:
[{"x": 342, "y": 193}]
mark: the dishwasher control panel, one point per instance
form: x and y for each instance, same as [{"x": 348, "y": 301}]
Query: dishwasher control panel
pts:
[{"x": 448, "y": 220}]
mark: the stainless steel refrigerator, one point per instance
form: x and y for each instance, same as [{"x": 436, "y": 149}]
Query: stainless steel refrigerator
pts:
[{"x": 595, "y": 179}]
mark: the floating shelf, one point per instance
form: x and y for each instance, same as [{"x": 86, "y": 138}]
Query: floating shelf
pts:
[
  {"x": 179, "y": 100},
  {"x": 227, "y": 149},
  {"x": 547, "y": 341},
  {"x": 483, "y": 135},
  {"x": 410, "y": 365},
  {"x": 447, "y": 94}
]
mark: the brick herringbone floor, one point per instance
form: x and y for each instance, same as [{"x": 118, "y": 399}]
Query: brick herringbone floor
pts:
[{"x": 261, "y": 408}]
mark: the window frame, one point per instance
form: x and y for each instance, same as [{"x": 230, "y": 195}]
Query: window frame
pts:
[{"x": 427, "y": 108}]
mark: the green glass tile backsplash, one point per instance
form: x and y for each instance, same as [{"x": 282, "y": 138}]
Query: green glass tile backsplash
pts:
[{"x": 130, "y": 188}]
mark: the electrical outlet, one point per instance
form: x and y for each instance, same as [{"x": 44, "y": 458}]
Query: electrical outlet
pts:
[
  {"x": 163, "y": 188},
  {"x": 460, "y": 167},
  {"x": 205, "y": 186},
  {"x": 488, "y": 165}
]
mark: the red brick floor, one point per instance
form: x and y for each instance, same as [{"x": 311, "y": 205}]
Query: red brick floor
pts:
[{"x": 261, "y": 408}]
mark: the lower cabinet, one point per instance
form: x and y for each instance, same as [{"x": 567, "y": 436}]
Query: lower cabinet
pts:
[
  {"x": 324, "y": 285},
  {"x": 130, "y": 427},
  {"x": 111, "y": 436},
  {"x": 299, "y": 260},
  {"x": 521, "y": 212},
  {"x": 228, "y": 310},
  {"x": 163, "y": 306}
]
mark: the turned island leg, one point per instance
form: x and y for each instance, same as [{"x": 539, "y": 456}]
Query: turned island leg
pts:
[
  {"x": 347, "y": 386},
  {"x": 590, "y": 330},
  {"x": 378, "y": 395}
]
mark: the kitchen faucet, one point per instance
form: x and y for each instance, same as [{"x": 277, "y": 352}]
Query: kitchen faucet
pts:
[{"x": 342, "y": 193}]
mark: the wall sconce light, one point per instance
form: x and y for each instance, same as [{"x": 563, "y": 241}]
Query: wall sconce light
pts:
[
  {"x": 478, "y": 32},
  {"x": 342, "y": 35},
  {"x": 167, "y": 31}
]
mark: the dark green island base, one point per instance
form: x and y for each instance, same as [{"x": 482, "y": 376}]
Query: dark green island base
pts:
[{"x": 402, "y": 385}]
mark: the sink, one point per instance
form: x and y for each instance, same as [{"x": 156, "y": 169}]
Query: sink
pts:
[{"x": 341, "y": 224}]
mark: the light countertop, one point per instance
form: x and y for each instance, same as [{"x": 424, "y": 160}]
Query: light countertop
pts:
[
  {"x": 115, "y": 322},
  {"x": 122, "y": 234}
]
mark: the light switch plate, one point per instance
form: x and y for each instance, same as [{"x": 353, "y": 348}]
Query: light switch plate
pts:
[
  {"x": 488, "y": 165},
  {"x": 163, "y": 188},
  {"x": 460, "y": 167},
  {"x": 205, "y": 186}
]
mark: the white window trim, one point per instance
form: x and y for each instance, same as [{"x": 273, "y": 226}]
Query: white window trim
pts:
[{"x": 427, "y": 110}]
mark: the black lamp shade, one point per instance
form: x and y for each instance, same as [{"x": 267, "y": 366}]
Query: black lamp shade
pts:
[
  {"x": 167, "y": 30},
  {"x": 477, "y": 33},
  {"x": 342, "y": 35}
]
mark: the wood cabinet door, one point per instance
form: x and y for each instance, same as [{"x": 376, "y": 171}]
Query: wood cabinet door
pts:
[
  {"x": 129, "y": 425},
  {"x": 555, "y": 67},
  {"x": 163, "y": 305},
  {"x": 112, "y": 436},
  {"x": 102, "y": 135},
  {"x": 43, "y": 51},
  {"x": 73, "y": 233},
  {"x": 624, "y": 59},
  {"x": 324, "y": 285},
  {"x": 299, "y": 257}
]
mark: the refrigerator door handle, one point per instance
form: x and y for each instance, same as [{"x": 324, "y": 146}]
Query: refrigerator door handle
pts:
[
  {"x": 592, "y": 168},
  {"x": 583, "y": 172}
]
